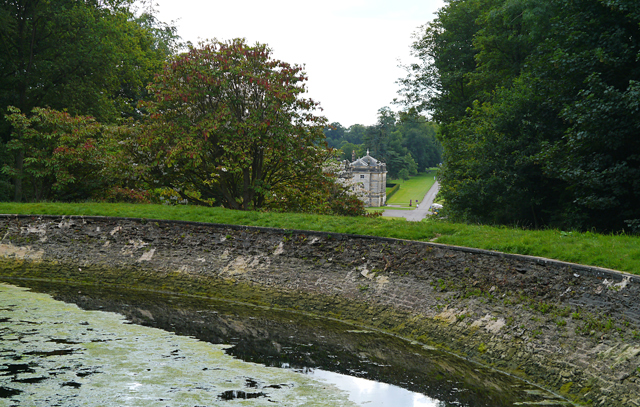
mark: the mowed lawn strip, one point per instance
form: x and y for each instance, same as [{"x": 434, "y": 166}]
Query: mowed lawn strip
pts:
[
  {"x": 412, "y": 189},
  {"x": 615, "y": 251}
]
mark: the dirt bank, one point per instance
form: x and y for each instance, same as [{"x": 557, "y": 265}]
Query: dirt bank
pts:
[{"x": 570, "y": 328}]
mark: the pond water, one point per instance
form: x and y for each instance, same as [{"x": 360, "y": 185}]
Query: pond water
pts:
[{"x": 66, "y": 345}]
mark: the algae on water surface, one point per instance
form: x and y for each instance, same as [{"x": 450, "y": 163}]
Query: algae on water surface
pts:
[
  {"x": 311, "y": 344},
  {"x": 54, "y": 353}
]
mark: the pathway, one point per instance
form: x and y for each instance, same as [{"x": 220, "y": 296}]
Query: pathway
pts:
[{"x": 421, "y": 211}]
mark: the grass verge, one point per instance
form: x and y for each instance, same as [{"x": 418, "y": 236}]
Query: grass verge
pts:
[
  {"x": 619, "y": 252},
  {"x": 412, "y": 189}
]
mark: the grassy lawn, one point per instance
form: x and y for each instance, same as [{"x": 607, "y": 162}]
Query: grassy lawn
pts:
[
  {"x": 412, "y": 189},
  {"x": 620, "y": 252},
  {"x": 384, "y": 208}
]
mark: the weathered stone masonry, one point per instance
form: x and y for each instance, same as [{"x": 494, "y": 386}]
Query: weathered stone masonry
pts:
[{"x": 571, "y": 328}]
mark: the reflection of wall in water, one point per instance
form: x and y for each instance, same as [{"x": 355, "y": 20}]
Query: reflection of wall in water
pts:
[{"x": 274, "y": 338}]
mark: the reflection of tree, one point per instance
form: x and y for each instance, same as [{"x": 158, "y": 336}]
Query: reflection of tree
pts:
[{"x": 275, "y": 338}]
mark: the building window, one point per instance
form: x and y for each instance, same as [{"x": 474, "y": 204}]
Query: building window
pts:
[{"x": 362, "y": 176}]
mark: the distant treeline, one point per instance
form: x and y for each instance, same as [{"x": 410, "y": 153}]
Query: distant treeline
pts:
[
  {"x": 405, "y": 141},
  {"x": 538, "y": 104}
]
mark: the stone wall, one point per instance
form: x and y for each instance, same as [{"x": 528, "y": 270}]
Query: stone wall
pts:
[{"x": 570, "y": 328}]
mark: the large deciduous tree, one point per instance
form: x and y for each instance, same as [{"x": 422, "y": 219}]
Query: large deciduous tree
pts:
[
  {"x": 538, "y": 107},
  {"x": 439, "y": 81},
  {"x": 89, "y": 57},
  {"x": 86, "y": 57},
  {"x": 590, "y": 65},
  {"x": 229, "y": 124}
]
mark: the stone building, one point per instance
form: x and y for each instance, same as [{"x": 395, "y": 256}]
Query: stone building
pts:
[{"x": 372, "y": 174}]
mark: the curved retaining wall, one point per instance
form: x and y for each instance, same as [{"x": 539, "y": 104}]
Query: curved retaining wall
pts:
[{"x": 570, "y": 328}]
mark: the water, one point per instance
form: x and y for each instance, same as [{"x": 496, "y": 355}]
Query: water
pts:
[{"x": 127, "y": 348}]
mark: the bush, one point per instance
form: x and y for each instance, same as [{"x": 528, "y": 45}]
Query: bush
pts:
[
  {"x": 124, "y": 195},
  {"x": 395, "y": 189}
]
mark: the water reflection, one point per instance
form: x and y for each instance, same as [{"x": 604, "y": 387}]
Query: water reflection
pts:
[
  {"x": 369, "y": 393},
  {"x": 375, "y": 369}
]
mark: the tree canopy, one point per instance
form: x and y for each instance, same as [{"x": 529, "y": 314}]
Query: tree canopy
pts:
[
  {"x": 538, "y": 110},
  {"x": 95, "y": 104},
  {"x": 229, "y": 124},
  {"x": 89, "y": 58},
  {"x": 403, "y": 141}
]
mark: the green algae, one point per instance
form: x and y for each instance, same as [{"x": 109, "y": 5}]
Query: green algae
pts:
[
  {"x": 361, "y": 349},
  {"x": 360, "y": 315},
  {"x": 113, "y": 363}
]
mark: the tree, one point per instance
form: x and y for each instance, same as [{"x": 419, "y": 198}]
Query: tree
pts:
[
  {"x": 492, "y": 173},
  {"x": 335, "y": 192},
  {"x": 350, "y": 150},
  {"x": 537, "y": 110},
  {"x": 377, "y": 137},
  {"x": 591, "y": 64},
  {"x": 63, "y": 157},
  {"x": 509, "y": 32},
  {"x": 439, "y": 83},
  {"x": 229, "y": 124},
  {"x": 88, "y": 57},
  {"x": 334, "y": 134},
  {"x": 355, "y": 134},
  {"x": 419, "y": 138},
  {"x": 83, "y": 56}
]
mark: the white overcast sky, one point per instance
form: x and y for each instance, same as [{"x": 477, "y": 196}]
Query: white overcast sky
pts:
[{"x": 350, "y": 48}]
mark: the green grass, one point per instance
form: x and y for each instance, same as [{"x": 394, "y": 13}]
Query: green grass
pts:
[
  {"x": 620, "y": 252},
  {"x": 412, "y": 189},
  {"x": 384, "y": 208}
]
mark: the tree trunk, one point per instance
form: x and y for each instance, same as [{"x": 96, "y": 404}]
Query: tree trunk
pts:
[
  {"x": 227, "y": 194},
  {"x": 247, "y": 191},
  {"x": 17, "y": 180}
]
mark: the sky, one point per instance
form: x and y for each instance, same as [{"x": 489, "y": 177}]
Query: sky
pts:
[{"x": 351, "y": 49}]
